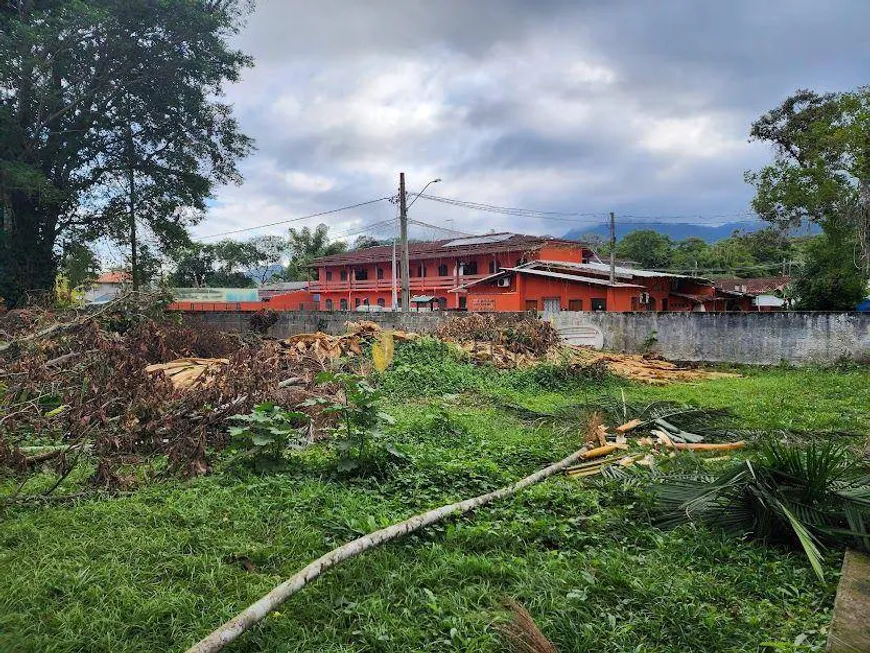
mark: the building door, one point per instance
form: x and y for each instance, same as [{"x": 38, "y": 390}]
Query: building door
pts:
[
  {"x": 575, "y": 304},
  {"x": 599, "y": 304},
  {"x": 532, "y": 305},
  {"x": 552, "y": 305},
  {"x": 665, "y": 304}
]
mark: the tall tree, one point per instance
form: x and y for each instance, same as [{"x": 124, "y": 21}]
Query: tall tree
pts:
[
  {"x": 268, "y": 252},
  {"x": 690, "y": 255},
  {"x": 829, "y": 280},
  {"x": 646, "y": 247},
  {"x": 305, "y": 245},
  {"x": 109, "y": 105},
  {"x": 821, "y": 167},
  {"x": 79, "y": 265}
]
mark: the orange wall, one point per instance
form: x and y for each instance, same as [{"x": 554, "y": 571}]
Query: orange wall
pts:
[
  {"x": 293, "y": 301},
  {"x": 526, "y": 288}
]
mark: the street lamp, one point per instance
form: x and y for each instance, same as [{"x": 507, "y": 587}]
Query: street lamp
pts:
[
  {"x": 434, "y": 181},
  {"x": 403, "y": 226}
]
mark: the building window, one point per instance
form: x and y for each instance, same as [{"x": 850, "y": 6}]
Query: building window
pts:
[
  {"x": 575, "y": 304},
  {"x": 328, "y": 304},
  {"x": 380, "y": 273},
  {"x": 329, "y": 275},
  {"x": 381, "y": 302},
  {"x": 344, "y": 275},
  {"x": 493, "y": 267},
  {"x": 421, "y": 270},
  {"x": 468, "y": 268},
  {"x": 463, "y": 303},
  {"x": 532, "y": 305},
  {"x": 442, "y": 270},
  {"x": 343, "y": 304},
  {"x": 356, "y": 302},
  {"x": 361, "y": 274},
  {"x": 599, "y": 304}
]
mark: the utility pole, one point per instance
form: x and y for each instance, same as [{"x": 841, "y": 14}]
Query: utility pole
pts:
[
  {"x": 395, "y": 294},
  {"x": 612, "y": 248},
  {"x": 406, "y": 265}
]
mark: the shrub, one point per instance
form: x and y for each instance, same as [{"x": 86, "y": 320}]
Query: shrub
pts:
[
  {"x": 267, "y": 433},
  {"x": 429, "y": 367},
  {"x": 556, "y": 376},
  {"x": 357, "y": 435}
]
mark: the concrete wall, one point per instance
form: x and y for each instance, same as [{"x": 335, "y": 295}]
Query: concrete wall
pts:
[
  {"x": 754, "y": 338},
  {"x": 291, "y": 323}
]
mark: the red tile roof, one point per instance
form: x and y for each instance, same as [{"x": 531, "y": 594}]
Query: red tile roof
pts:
[
  {"x": 113, "y": 277},
  {"x": 439, "y": 249}
]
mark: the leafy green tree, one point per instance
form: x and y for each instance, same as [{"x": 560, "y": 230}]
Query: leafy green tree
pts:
[
  {"x": 647, "y": 248},
  {"x": 690, "y": 255},
  {"x": 79, "y": 265},
  {"x": 365, "y": 242},
  {"x": 305, "y": 245},
  {"x": 214, "y": 265},
  {"x": 267, "y": 252},
  {"x": 770, "y": 247},
  {"x": 110, "y": 116},
  {"x": 829, "y": 280},
  {"x": 821, "y": 167},
  {"x": 730, "y": 255}
]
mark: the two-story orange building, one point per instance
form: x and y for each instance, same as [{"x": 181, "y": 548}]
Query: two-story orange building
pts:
[{"x": 365, "y": 277}]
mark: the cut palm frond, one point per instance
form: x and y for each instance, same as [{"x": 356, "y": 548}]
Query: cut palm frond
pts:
[{"x": 812, "y": 495}]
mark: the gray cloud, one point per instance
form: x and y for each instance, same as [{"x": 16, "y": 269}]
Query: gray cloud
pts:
[{"x": 633, "y": 106}]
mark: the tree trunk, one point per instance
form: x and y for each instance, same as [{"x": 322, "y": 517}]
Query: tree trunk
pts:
[
  {"x": 254, "y": 613},
  {"x": 29, "y": 264},
  {"x": 863, "y": 226}
]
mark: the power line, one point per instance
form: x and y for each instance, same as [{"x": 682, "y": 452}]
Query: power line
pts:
[
  {"x": 444, "y": 229},
  {"x": 359, "y": 230},
  {"x": 572, "y": 217},
  {"x": 744, "y": 268},
  {"x": 304, "y": 217}
]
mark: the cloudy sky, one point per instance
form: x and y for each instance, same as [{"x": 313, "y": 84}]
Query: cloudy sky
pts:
[{"x": 639, "y": 107}]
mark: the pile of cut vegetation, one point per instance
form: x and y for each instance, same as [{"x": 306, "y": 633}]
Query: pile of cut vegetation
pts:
[{"x": 511, "y": 342}]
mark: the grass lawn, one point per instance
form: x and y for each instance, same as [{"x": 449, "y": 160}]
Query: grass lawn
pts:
[{"x": 158, "y": 569}]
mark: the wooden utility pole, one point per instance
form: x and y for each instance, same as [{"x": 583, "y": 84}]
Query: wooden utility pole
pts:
[
  {"x": 612, "y": 248},
  {"x": 406, "y": 265}
]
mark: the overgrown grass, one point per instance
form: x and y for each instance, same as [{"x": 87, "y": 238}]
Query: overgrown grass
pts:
[{"x": 156, "y": 570}]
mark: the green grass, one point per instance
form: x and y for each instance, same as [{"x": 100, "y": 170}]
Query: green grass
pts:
[{"x": 158, "y": 569}]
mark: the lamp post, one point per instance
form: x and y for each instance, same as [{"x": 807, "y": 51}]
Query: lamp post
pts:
[{"x": 403, "y": 226}]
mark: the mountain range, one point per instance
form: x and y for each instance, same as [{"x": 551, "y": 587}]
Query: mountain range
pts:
[{"x": 676, "y": 230}]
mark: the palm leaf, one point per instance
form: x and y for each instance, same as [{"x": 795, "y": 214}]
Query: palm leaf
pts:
[{"x": 807, "y": 542}]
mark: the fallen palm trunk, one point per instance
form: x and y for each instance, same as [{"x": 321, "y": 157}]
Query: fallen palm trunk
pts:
[
  {"x": 709, "y": 446},
  {"x": 254, "y": 613}
]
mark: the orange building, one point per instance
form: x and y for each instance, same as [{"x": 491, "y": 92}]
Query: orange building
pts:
[
  {"x": 365, "y": 277},
  {"x": 547, "y": 285}
]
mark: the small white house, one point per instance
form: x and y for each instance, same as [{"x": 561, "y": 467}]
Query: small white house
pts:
[{"x": 106, "y": 287}]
